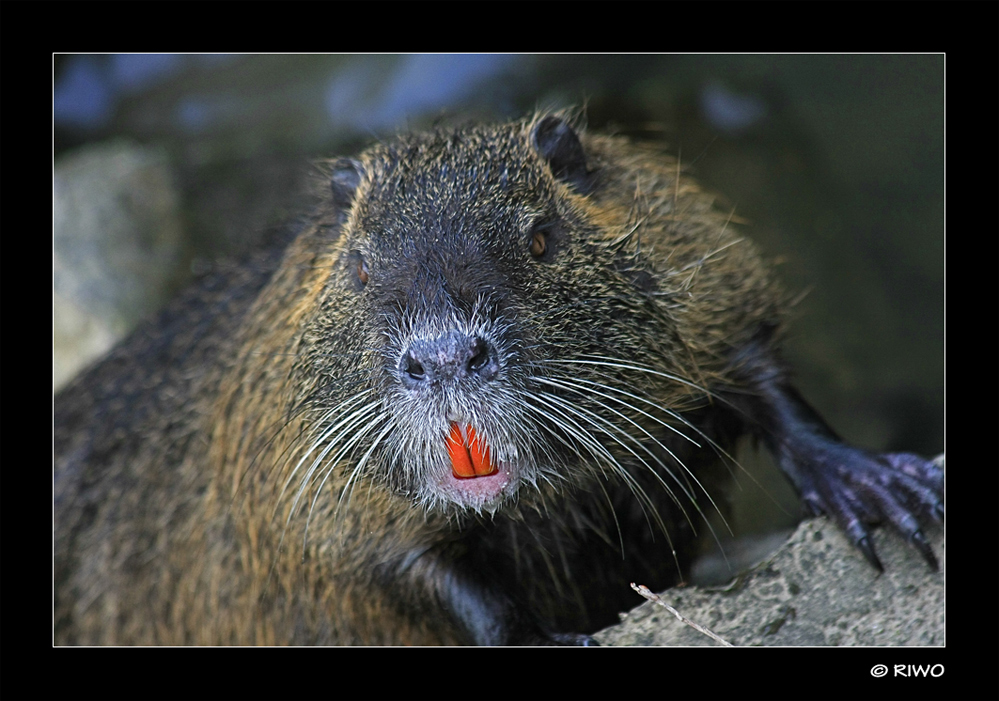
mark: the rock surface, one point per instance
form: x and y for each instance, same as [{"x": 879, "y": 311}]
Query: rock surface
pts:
[{"x": 815, "y": 590}]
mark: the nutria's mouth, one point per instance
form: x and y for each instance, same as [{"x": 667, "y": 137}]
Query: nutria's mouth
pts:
[
  {"x": 481, "y": 492},
  {"x": 469, "y": 453},
  {"x": 476, "y": 479}
]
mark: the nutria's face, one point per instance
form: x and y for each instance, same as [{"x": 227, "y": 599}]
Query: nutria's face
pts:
[{"x": 469, "y": 276}]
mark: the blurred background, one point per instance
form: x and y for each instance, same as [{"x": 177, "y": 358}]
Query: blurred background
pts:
[{"x": 167, "y": 164}]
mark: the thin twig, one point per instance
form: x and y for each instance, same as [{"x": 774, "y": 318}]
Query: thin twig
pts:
[{"x": 648, "y": 594}]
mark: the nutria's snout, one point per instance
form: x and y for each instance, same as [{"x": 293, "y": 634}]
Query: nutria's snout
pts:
[
  {"x": 454, "y": 357},
  {"x": 454, "y": 379}
]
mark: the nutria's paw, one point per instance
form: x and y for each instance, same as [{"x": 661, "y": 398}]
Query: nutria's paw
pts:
[
  {"x": 856, "y": 488},
  {"x": 541, "y": 638},
  {"x": 570, "y": 639}
]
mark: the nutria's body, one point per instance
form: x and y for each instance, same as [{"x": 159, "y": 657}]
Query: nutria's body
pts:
[{"x": 269, "y": 461}]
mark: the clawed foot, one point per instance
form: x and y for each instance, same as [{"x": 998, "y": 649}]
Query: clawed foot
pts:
[{"x": 857, "y": 488}]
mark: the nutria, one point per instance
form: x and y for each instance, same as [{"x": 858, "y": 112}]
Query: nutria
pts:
[{"x": 483, "y": 388}]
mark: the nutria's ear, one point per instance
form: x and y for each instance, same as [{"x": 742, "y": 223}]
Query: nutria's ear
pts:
[
  {"x": 346, "y": 176},
  {"x": 558, "y": 144}
]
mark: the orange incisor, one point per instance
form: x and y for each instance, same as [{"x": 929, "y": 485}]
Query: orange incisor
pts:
[{"x": 469, "y": 454}]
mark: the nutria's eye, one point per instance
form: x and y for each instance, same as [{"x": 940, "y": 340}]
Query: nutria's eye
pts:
[
  {"x": 357, "y": 267},
  {"x": 538, "y": 244},
  {"x": 545, "y": 237}
]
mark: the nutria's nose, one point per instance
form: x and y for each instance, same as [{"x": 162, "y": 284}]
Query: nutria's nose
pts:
[{"x": 455, "y": 356}]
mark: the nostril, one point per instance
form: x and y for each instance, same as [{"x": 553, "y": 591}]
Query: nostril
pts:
[
  {"x": 480, "y": 357},
  {"x": 413, "y": 368},
  {"x": 452, "y": 357},
  {"x": 482, "y": 362},
  {"x": 421, "y": 364}
]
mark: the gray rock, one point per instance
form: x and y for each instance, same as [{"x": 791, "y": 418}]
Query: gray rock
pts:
[
  {"x": 816, "y": 590},
  {"x": 118, "y": 250}
]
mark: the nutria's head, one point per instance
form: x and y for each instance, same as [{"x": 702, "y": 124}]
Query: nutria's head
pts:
[{"x": 473, "y": 339}]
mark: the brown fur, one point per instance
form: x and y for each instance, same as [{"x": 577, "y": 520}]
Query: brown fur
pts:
[{"x": 176, "y": 517}]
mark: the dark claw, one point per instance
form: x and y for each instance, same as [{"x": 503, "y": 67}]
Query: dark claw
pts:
[
  {"x": 924, "y": 548},
  {"x": 813, "y": 508},
  {"x": 864, "y": 545}
]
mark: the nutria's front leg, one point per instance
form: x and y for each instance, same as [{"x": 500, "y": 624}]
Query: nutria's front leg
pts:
[
  {"x": 852, "y": 486},
  {"x": 483, "y": 613},
  {"x": 493, "y": 619}
]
